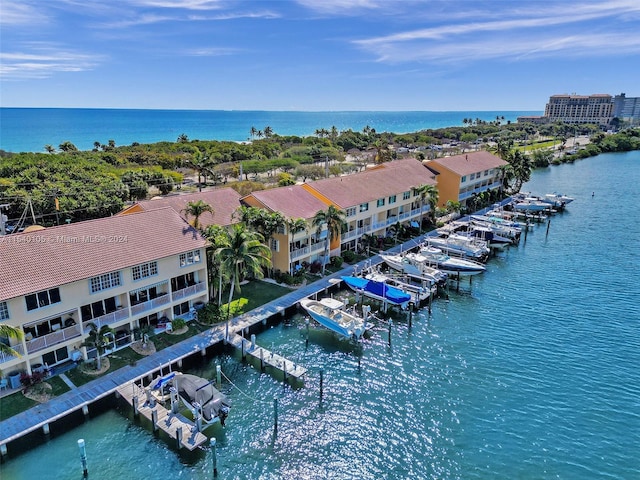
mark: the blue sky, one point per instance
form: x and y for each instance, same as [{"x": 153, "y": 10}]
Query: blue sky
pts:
[{"x": 315, "y": 55}]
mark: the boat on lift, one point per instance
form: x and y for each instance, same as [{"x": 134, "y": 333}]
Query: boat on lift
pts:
[{"x": 332, "y": 314}]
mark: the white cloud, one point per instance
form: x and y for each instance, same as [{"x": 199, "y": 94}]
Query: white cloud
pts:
[
  {"x": 44, "y": 61},
  {"x": 181, "y": 4},
  {"x": 20, "y": 13}
]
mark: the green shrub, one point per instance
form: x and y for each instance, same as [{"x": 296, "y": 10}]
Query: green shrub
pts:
[
  {"x": 349, "y": 256},
  {"x": 337, "y": 261},
  {"x": 178, "y": 323}
]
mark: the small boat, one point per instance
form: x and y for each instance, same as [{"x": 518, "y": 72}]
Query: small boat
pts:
[
  {"x": 458, "y": 246},
  {"x": 332, "y": 314},
  {"x": 420, "y": 290},
  {"x": 529, "y": 204},
  {"x": 557, "y": 199},
  {"x": 450, "y": 265},
  {"x": 414, "y": 265},
  {"x": 487, "y": 234},
  {"x": 378, "y": 291},
  {"x": 196, "y": 393}
]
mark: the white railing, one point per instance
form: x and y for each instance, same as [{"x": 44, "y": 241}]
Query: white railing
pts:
[
  {"x": 163, "y": 299},
  {"x": 349, "y": 235},
  {"x": 107, "y": 319},
  {"x": 188, "y": 291},
  {"x": 300, "y": 252},
  {"x": 52, "y": 338},
  {"x": 5, "y": 357}
]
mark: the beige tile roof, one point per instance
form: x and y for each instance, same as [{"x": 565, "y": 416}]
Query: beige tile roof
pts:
[
  {"x": 387, "y": 179},
  {"x": 224, "y": 201},
  {"x": 55, "y": 256},
  {"x": 468, "y": 163},
  {"x": 292, "y": 201}
]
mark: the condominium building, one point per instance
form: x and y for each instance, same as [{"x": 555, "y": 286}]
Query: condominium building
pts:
[
  {"x": 596, "y": 109},
  {"x": 127, "y": 272},
  {"x": 373, "y": 201},
  {"x": 627, "y": 108},
  {"x": 223, "y": 201},
  {"x": 462, "y": 176}
]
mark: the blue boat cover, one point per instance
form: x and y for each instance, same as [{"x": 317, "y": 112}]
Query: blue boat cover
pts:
[{"x": 381, "y": 289}]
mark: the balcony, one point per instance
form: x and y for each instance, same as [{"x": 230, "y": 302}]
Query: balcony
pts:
[
  {"x": 159, "y": 301},
  {"x": 5, "y": 357},
  {"x": 108, "y": 319},
  {"x": 186, "y": 292},
  {"x": 300, "y": 252},
  {"x": 53, "y": 338}
]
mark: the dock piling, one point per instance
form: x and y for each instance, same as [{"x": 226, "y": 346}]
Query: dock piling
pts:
[
  {"x": 154, "y": 419},
  {"x": 179, "y": 437},
  {"x": 215, "y": 457},
  {"x": 321, "y": 382},
  {"x": 275, "y": 414},
  {"x": 83, "y": 457},
  {"x": 218, "y": 375},
  {"x": 390, "y": 323}
]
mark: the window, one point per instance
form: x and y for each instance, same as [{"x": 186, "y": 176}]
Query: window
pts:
[
  {"x": 4, "y": 311},
  {"x": 183, "y": 281},
  {"x": 97, "y": 309},
  {"x": 364, "y": 207},
  {"x": 392, "y": 199},
  {"x": 181, "y": 309},
  {"x": 280, "y": 229},
  {"x": 42, "y": 299},
  {"x": 406, "y": 195},
  {"x": 189, "y": 258},
  {"x": 472, "y": 176},
  {"x": 463, "y": 179},
  {"x": 104, "y": 282},
  {"x": 486, "y": 172},
  {"x": 351, "y": 211},
  {"x": 275, "y": 245},
  {"x": 381, "y": 202},
  {"x": 144, "y": 270}
]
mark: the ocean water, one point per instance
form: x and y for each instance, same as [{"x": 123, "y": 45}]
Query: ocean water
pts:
[
  {"x": 30, "y": 129},
  {"x": 530, "y": 371}
]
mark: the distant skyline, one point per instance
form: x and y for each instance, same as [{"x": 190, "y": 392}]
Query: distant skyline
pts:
[{"x": 315, "y": 55}]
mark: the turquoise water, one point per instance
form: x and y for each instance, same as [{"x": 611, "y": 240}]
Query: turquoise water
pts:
[
  {"x": 30, "y": 129},
  {"x": 531, "y": 371}
]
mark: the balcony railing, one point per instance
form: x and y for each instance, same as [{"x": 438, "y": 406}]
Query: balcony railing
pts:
[
  {"x": 108, "y": 319},
  {"x": 300, "y": 252},
  {"x": 52, "y": 338},
  {"x": 188, "y": 291},
  {"x": 5, "y": 357},
  {"x": 163, "y": 299}
]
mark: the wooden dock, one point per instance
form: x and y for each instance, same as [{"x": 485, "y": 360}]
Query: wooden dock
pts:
[
  {"x": 266, "y": 357},
  {"x": 175, "y": 425}
]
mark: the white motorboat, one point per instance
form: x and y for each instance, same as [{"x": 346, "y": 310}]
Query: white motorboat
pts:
[
  {"x": 531, "y": 204},
  {"x": 198, "y": 394},
  {"x": 332, "y": 314},
  {"x": 557, "y": 199},
  {"x": 459, "y": 246},
  {"x": 451, "y": 265},
  {"x": 414, "y": 265}
]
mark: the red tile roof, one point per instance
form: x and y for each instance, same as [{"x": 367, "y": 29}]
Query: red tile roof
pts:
[
  {"x": 55, "y": 256},
  {"x": 468, "y": 163},
  {"x": 292, "y": 201},
  {"x": 224, "y": 201},
  {"x": 384, "y": 180}
]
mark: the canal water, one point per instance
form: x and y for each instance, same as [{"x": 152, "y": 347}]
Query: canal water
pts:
[{"x": 530, "y": 371}]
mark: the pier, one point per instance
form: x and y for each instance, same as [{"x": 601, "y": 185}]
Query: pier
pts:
[
  {"x": 176, "y": 426},
  {"x": 266, "y": 357}
]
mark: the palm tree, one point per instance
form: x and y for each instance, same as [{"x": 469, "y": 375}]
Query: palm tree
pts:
[
  {"x": 99, "y": 339},
  {"x": 244, "y": 254},
  {"x": 428, "y": 193},
  {"x": 7, "y": 331},
  {"x": 196, "y": 210},
  {"x": 217, "y": 237},
  {"x": 50, "y": 148},
  {"x": 296, "y": 225},
  {"x": 268, "y": 131},
  {"x": 201, "y": 163},
  {"x": 253, "y": 132},
  {"x": 334, "y": 219}
]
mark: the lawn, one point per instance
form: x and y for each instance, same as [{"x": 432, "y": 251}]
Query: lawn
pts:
[{"x": 17, "y": 402}]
